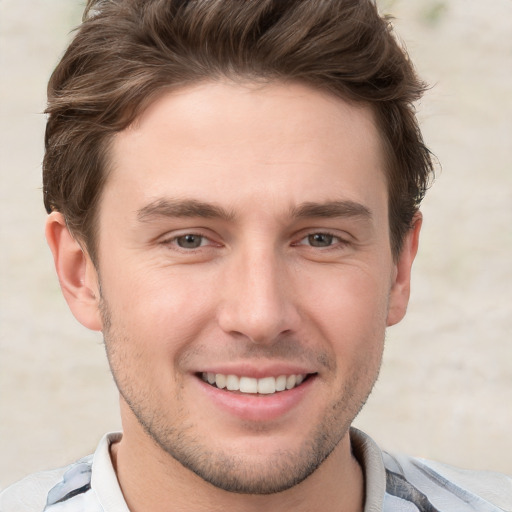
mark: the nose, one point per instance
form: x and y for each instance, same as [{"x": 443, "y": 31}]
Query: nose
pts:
[{"x": 257, "y": 300}]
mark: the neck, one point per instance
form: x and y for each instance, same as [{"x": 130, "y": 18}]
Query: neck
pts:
[{"x": 151, "y": 480}]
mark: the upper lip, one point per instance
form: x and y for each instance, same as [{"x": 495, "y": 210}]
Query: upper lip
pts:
[{"x": 257, "y": 371}]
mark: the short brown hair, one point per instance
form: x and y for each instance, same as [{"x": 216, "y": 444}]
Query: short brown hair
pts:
[{"x": 126, "y": 52}]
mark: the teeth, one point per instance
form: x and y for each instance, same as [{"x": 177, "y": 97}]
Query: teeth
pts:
[
  {"x": 248, "y": 385},
  {"x": 291, "y": 380},
  {"x": 220, "y": 381},
  {"x": 232, "y": 383},
  {"x": 281, "y": 383},
  {"x": 264, "y": 386},
  {"x": 267, "y": 386}
]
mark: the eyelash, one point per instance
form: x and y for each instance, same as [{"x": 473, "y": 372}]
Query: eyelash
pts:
[
  {"x": 174, "y": 241},
  {"x": 335, "y": 242}
]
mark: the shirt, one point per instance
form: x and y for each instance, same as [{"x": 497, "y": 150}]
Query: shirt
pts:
[{"x": 392, "y": 484}]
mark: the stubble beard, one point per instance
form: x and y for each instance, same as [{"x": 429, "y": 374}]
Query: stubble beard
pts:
[{"x": 274, "y": 473}]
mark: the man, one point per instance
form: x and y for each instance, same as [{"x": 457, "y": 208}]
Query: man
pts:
[{"x": 233, "y": 192}]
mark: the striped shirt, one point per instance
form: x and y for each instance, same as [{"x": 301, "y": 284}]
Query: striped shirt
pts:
[{"x": 393, "y": 484}]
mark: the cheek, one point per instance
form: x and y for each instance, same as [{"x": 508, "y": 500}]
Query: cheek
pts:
[
  {"x": 158, "y": 313},
  {"x": 348, "y": 310},
  {"x": 351, "y": 296}
]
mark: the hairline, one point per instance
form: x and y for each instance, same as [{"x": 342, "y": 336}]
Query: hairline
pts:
[{"x": 89, "y": 237}]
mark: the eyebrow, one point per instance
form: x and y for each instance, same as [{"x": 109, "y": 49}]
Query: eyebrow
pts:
[
  {"x": 166, "y": 207},
  {"x": 332, "y": 209},
  {"x": 182, "y": 208}
]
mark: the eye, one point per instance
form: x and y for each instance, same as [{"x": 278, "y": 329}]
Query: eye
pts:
[
  {"x": 321, "y": 239},
  {"x": 190, "y": 241},
  {"x": 323, "y": 243}
]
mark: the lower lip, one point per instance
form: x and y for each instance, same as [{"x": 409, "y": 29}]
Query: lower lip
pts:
[{"x": 257, "y": 408}]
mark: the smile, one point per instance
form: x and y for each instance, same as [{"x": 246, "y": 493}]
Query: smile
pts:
[{"x": 250, "y": 385}]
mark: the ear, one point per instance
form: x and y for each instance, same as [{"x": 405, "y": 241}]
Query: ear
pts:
[
  {"x": 401, "y": 286},
  {"x": 77, "y": 275}
]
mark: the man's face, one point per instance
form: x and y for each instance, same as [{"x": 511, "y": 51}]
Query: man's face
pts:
[{"x": 244, "y": 242}]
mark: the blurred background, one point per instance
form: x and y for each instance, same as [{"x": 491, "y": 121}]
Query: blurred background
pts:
[{"x": 445, "y": 391}]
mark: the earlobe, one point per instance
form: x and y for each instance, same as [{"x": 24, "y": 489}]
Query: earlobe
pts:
[
  {"x": 401, "y": 286},
  {"x": 77, "y": 275}
]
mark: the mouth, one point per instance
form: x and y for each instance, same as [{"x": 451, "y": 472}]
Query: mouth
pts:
[{"x": 252, "y": 386}]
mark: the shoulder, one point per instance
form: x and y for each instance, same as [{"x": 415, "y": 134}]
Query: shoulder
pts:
[
  {"x": 447, "y": 487},
  {"x": 33, "y": 492},
  {"x": 83, "y": 485}
]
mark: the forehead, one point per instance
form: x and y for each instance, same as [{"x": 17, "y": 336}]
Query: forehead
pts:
[{"x": 230, "y": 142}]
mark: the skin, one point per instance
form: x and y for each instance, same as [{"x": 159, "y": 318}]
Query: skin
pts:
[{"x": 284, "y": 190}]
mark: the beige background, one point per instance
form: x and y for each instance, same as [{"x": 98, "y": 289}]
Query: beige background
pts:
[{"x": 446, "y": 387}]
